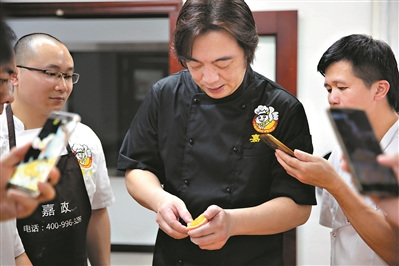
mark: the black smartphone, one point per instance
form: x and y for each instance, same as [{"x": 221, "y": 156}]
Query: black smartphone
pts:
[
  {"x": 44, "y": 152},
  {"x": 274, "y": 143},
  {"x": 361, "y": 148}
]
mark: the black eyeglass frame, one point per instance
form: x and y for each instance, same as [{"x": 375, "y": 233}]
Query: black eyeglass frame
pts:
[{"x": 74, "y": 77}]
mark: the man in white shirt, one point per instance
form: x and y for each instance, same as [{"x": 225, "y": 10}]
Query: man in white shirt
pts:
[
  {"x": 361, "y": 73},
  {"x": 75, "y": 225}
]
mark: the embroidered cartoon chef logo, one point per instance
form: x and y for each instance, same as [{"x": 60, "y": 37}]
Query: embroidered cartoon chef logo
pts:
[
  {"x": 83, "y": 154},
  {"x": 265, "y": 120}
]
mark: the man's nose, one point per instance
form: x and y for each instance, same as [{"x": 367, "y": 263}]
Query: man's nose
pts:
[
  {"x": 7, "y": 96},
  {"x": 210, "y": 75},
  {"x": 62, "y": 83},
  {"x": 333, "y": 98}
]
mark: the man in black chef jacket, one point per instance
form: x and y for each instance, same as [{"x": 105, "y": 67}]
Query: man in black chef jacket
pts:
[{"x": 194, "y": 147}]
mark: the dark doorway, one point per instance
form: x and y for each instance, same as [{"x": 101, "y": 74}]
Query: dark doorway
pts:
[{"x": 110, "y": 91}]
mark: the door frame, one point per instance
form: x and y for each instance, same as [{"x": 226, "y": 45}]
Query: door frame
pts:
[{"x": 281, "y": 24}]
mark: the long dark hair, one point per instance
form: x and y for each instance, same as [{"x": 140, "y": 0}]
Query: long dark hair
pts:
[{"x": 200, "y": 16}]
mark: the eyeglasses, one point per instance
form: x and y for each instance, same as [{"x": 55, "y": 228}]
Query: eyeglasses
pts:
[{"x": 55, "y": 76}]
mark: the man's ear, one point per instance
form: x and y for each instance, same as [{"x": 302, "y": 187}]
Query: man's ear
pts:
[
  {"x": 14, "y": 78},
  {"x": 382, "y": 89}
]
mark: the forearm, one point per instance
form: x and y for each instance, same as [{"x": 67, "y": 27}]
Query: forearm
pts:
[
  {"x": 22, "y": 260},
  {"x": 99, "y": 238},
  {"x": 370, "y": 224},
  {"x": 145, "y": 188},
  {"x": 391, "y": 207},
  {"x": 272, "y": 217}
]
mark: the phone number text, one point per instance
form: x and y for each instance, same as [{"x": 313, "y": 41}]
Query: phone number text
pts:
[{"x": 34, "y": 228}]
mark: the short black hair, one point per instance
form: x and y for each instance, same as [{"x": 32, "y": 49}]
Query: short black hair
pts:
[{"x": 371, "y": 60}]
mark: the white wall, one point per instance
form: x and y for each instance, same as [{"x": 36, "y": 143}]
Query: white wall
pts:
[
  {"x": 320, "y": 23},
  {"x": 77, "y": 33}
]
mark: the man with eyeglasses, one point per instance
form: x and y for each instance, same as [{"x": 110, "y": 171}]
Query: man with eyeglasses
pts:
[{"x": 74, "y": 226}]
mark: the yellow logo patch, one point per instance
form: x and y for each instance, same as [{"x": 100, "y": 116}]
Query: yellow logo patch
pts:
[{"x": 265, "y": 119}]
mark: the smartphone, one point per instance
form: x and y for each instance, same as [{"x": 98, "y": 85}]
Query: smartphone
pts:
[
  {"x": 361, "y": 147},
  {"x": 44, "y": 152},
  {"x": 276, "y": 144}
]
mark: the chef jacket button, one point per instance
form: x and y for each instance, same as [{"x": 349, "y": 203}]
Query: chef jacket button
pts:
[
  {"x": 243, "y": 106},
  {"x": 181, "y": 262},
  {"x": 186, "y": 181},
  {"x": 228, "y": 190},
  {"x": 235, "y": 149},
  {"x": 334, "y": 234},
  {"x": 191, "y": 141},
  {"x": 196, "y": 100}
]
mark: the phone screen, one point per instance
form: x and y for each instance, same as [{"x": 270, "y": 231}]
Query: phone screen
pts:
[
  {"x": 361, "y": 148},
  {"x": 276, "y": 144},
  {"x": 44, "y": 152}
]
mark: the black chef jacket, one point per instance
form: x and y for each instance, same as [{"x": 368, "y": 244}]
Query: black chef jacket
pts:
[{"x": 206, "y": 151}]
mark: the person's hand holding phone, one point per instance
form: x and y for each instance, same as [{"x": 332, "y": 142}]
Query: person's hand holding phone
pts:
[
  {"x": 360, "y": 148},
  {"x": 389, "y": 205},
  {"x": 17, "y": 204},
  {"x": 390, "y": 161},
  {"x": 309, "y": 169},
  {"x": 44, "y": 152}
]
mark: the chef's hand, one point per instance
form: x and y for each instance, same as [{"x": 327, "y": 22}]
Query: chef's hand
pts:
[
  {"x": 214, "y": 234},
  {"x": 170, "y": 215}
]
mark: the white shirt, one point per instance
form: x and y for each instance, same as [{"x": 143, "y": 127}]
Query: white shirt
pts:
[
  {"x": 347, "y": 247},
  {"x": 10, "y": 243}
]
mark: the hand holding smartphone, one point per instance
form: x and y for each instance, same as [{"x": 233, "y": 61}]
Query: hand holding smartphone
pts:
[
  {"x": 361, "y": 147},
  {"x": 44, "y": 152},
  {"x": 276, "y": 144}
]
